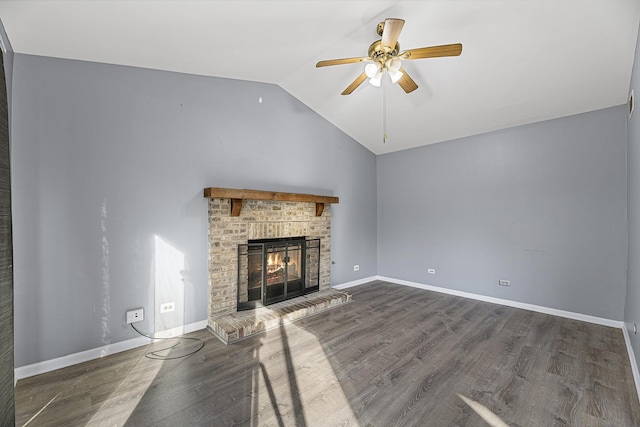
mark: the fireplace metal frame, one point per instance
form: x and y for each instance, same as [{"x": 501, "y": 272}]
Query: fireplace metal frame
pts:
[{"x": 310, "y": 281}]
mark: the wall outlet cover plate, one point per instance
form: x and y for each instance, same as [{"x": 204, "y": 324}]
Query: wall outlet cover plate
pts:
[{"x": 135, "y": 315}]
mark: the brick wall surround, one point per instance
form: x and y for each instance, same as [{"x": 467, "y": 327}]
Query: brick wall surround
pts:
[{"x": 259, "y": 219}]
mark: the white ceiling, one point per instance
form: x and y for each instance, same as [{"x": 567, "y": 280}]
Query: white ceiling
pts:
[{"x": 522, "y": 61}]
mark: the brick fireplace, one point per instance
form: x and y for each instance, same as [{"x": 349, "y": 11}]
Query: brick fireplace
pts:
[{"x": 237, "y": 217}]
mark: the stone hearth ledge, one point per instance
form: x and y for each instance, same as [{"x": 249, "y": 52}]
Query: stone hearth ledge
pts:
[{"x": 233, "y": 327}]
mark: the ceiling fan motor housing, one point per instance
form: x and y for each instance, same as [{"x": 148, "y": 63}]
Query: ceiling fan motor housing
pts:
[{"x": 381, "y": 53}]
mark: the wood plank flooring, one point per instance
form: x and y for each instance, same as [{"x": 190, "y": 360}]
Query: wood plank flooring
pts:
[{"x": 396, "y": 356}]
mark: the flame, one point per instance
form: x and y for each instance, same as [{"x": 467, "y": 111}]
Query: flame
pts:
[{"x": 274, "y": 260}]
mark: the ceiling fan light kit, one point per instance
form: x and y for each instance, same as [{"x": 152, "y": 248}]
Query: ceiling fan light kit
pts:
[{"x": 387, "y": 58}]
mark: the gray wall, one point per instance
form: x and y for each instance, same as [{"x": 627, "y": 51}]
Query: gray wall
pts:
[
  {"x": 632, "y": 303},
  {"x": 105, "y": 158},
  {"x": 542, "y": 205}
]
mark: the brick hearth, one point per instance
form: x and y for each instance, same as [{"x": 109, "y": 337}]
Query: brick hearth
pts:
[{"x": 243, "y": 324}]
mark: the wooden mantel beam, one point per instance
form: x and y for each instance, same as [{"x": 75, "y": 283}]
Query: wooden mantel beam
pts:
[{"x": 237, "y": 196}]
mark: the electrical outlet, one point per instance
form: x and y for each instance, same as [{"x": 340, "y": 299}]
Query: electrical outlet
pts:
[
  {"x": 504, "y": 282},
  {"x": 431, "y": 270},
  {"x": 356, "y": 267},
  {"x": 135, "y": 315},
  {"x": 167, "y": 307}
]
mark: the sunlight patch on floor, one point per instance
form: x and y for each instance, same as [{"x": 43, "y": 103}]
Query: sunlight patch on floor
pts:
[
  {"x": 299, "y": 380},
  {"x": 492, "y": 419},
  {"x": 42, "y": 409},
  {"x": 124, "y": 399}
]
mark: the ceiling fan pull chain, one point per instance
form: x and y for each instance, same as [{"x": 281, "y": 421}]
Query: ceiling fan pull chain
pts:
[{"x": 384, "y": 107}]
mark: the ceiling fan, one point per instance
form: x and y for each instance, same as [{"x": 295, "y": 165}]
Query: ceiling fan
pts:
[{"x": 387, "y": 58}]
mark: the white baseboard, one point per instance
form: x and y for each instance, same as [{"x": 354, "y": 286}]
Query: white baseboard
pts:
[
  {"x": 355, "y": 283},
  {"x": 181, "y": 330},
  {"x": 632, "y": 359},
  {"x": 532, "y": 307},
  {"x": 96, "y": 353}
]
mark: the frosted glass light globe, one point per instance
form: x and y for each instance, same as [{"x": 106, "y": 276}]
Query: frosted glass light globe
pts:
[
  {"x": 371, "y": 70},
  {"x": 394, "y": 64}
]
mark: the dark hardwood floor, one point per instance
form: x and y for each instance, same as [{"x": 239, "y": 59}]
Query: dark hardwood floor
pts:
[{"x": 396, "y": 356}]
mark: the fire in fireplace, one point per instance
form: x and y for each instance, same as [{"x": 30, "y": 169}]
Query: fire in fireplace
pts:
[{"x": 273, "y": 270}]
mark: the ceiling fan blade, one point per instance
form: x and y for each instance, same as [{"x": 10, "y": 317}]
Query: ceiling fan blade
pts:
[
  {"x": 357, "y": 82},
  {"x": 406, "y": 83},
  {"x": 341, "y": 61},
  {"x": 391, "y": 32},
  {"x": 432, "y": 51}
]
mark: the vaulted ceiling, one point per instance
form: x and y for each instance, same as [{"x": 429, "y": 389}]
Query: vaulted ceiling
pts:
[{"x": 522, "y": 61}]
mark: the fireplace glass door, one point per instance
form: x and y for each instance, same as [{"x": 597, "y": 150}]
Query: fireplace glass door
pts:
[
  {"x": 283, "y": 271},
  {"x": 274, "y": 270}
]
